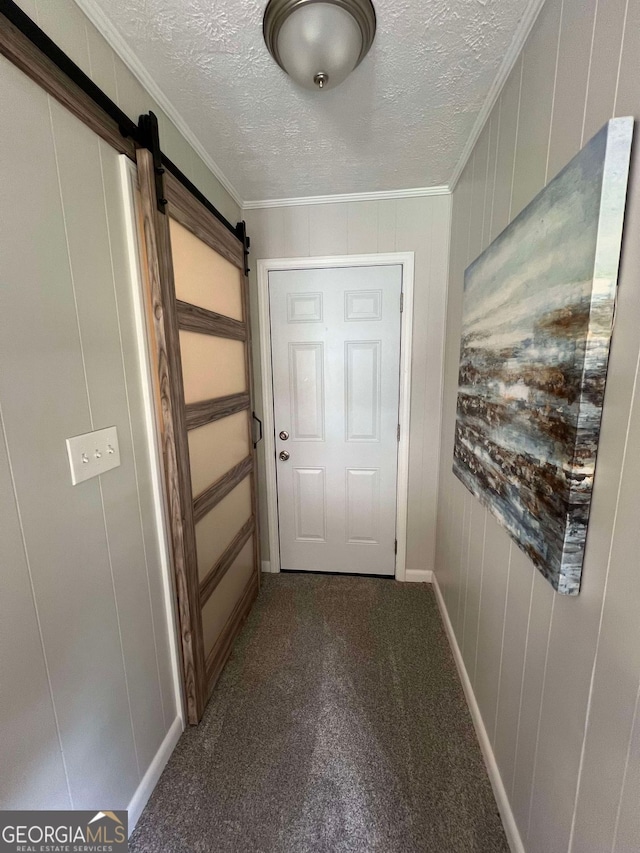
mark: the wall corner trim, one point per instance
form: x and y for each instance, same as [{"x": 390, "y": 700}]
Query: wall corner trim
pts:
[
  {"x": 499, "y": 792},
  {"x": 266, "y": 566},
  {"x": 113, "y": 37},
  {"x": 521, "y": 35},
  {"x": 154, "y": 771},
  {"x": 342, "y": 198}
]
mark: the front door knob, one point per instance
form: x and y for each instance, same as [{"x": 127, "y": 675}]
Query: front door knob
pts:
[
  {"x": 284, "y": 455},
  {"x": 284, "y": 435}
]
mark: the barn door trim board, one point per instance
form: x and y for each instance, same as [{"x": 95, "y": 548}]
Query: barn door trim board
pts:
[{"x": 264, "y": 267}]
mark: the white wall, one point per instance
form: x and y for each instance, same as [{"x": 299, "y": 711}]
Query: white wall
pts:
[
  {"x": 86, "y": 687},
  {"x": 556, "y": 678},
  {"x": 420, "y": 225}
]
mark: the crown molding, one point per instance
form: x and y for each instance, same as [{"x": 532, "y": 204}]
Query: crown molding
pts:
[
  {"x": 113, "y": 37},
  {"x": 415, "y": 192},
  {"x": 506, "y": 67}
]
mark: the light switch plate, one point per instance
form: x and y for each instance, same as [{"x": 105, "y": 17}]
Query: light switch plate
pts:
[{"x": 93, "y": 453}]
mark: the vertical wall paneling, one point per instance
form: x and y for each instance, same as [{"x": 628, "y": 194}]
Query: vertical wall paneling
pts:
[
  {"x": 362, "y": 227},
  {"x": 463, "y": 569},
  {"x": 629, "y": 66},
  {"x": 574, "y": 53},
  {"x": 414, "y": 232},
  {"x": 328, "y": 229},
  {"x": 387, "y": 218},
  {"x": 626, "y": 829},
  {"x": 85, "y": 627},
  {"x": 448, "y": 483},
  {"x": 556, "y": 679},
  {"x": 479, "y": 191},
  {"x": 515, "y": 628},
  {"x": 509, "y": 109},
  {"x": 433, "y": 375},
  {"x": 459, "y": 540},
  {"x": 441, "y": 556},
  {"x": 477, "y": 521},
  {"x": 492, "y": 163},
  {"x": 30, "y": 734},
  {"x": 450, "y": 543},
  {"x": 295, "y": 231},
  {"x": 536, "y": 103},
  {"x": 491, "y": 614},
  {"x": 132, "y": 98},
  {"x": 63, "y": 526},
  {"x": 533, "y": 673},
  {"x": 176, "y": 147},
  {"x": 102, "y": 69},
  {"x": 64, "y": 22},
  {"x": 603, "y": 71},
  {"x": 610, "y": 715},
  {"x": 79, "y": 164}
]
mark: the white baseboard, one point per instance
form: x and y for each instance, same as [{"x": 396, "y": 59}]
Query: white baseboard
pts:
[
  {"x": 504, "y": 806},
  {"x": 266, "y": 565},
  {"x": 418, "y": 576},
  {"x": 154, "y": 771}
]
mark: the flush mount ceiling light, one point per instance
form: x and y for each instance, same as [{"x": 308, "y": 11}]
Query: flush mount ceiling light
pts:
[{"x": 319, "y": 42}]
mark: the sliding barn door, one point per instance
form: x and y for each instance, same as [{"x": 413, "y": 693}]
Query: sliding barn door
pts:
[{"x": 199, "y": 311}]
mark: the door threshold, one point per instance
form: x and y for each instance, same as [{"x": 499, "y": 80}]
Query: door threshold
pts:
[{"x": 336, "y": 574}]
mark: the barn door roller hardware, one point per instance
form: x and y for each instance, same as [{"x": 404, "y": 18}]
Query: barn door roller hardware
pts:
[
  {"x": 150, "y": 138},
  {"x": 241, "y": 232}
]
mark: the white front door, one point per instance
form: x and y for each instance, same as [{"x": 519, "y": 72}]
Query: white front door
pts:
[{"x": 335, "y": 344}]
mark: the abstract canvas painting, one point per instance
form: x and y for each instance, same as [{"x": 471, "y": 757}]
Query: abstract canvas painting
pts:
[{"x": 537, "y": 323}]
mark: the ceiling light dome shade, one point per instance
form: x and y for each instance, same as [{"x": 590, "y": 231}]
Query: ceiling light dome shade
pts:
[{"x": 319, "y": 42}]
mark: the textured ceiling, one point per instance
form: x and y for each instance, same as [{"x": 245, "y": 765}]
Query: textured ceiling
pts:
[{"x": 399, "y": 121}]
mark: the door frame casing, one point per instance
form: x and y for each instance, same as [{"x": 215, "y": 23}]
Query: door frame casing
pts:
[
  {"x": 128, "y": 185},
  {"x": 264, "y": 267}
]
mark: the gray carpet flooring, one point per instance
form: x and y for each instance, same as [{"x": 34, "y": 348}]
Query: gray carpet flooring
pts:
[{"x": 339, "y": 725}]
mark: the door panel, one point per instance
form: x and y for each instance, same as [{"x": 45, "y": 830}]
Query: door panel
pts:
[
  {"x": 304, "y": 307},
  {"x": 363, "y": 505},
  {"x": 203, "y": 390},
  {"x": 207, "y": 463},
  {"x": 362, "y": 367},
  {"x": 306, "y": 382},
  {"x": 309, "y": 501},
  {"x": 336, "y": 379},
  {"x": 218, "y": 527},
  {"x": 195, "y": 265},
  {"x": 219, "y": 607},
  {"x": 211, "y": 366},
  {"x": 363, "y": 305}
]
